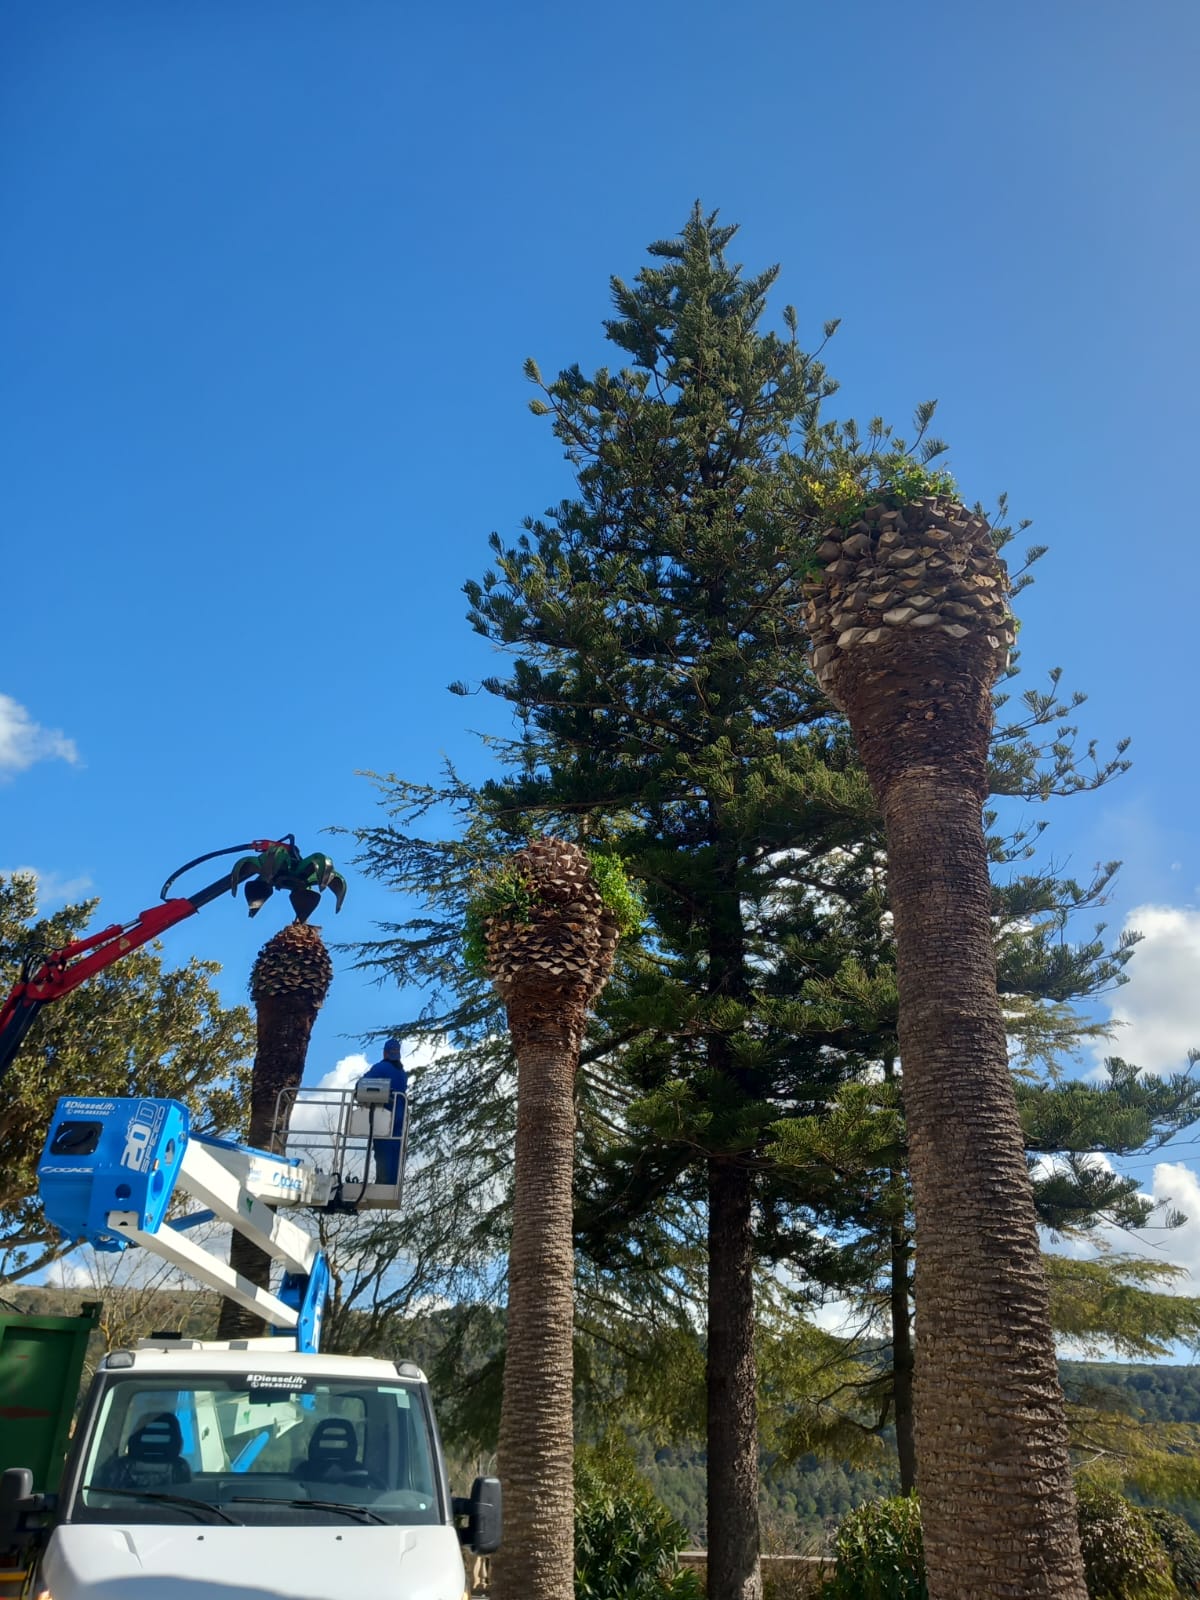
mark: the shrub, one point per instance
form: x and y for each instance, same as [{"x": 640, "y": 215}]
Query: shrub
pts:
[
  {"x": 1128, "y": 1554},
  {"x": 1182, "y": 1548},
  {"x": 879, "y": 1553},
  {"x": 504, "y": 894},
  {"x": 1122, "y": 1555},
  {"x": 845, "y": 498},
  {"x": 627, "y": 1543},
  {"x": 793, "y": 1585},
  {"x": 621, "y": 898}
]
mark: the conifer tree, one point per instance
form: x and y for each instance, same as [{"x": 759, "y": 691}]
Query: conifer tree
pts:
[
  {"x": 848, "y": 1160},
  {"x": 659, "y": 676},
  {"x": 667, "y": 710}
]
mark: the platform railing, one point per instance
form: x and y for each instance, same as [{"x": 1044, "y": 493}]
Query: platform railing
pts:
[{"x": 345, "y": 1139}]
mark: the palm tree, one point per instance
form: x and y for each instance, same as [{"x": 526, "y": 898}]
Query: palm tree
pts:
[
  {"x": 548, "y": 959},
  {"x": 911, "y": 627},
  {"x": 288, "y": 984}
]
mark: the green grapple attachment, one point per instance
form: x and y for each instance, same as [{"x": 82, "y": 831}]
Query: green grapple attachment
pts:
[{"x": 283, "y": 867}]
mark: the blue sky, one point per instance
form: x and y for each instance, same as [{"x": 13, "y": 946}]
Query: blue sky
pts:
[{"x": 271, "y": 270}]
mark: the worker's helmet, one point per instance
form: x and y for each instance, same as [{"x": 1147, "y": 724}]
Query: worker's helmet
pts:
[{"x": 391, "y": 1050}]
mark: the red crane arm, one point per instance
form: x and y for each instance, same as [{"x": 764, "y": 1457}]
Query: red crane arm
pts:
[
  {"x": 60, "y": 971},
  {"x": 65, "y": 969}
]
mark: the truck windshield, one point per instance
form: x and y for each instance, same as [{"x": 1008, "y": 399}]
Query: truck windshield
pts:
[{"x": 264, "y": 1448}]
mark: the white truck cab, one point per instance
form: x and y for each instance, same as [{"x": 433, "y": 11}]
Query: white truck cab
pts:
[
  {"x": 248, "y": 1471},
  {"x": 257, "y": 1469}
]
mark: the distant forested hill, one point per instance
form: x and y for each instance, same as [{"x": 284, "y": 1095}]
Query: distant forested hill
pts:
[
  {"x": 801, "y": 1503},
  {"x": 1161, "y": 1394}
]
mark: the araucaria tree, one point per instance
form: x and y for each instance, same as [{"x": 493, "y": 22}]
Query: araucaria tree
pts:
[
  {"x": 660, "y": 678},
  {"x": 288, "y": 984},
  {"x": 548, "y": 941},
  {"x": 911, "y": 627}
]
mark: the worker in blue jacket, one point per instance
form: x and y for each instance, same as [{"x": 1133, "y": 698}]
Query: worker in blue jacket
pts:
[{"x": 387, "y": 1141}]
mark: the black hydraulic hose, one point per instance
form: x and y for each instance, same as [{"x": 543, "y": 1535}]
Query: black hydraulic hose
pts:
[
  {"x": 340, "y": 1201},
  {"x": 211, "y": 855},
  {"x": 366, "y": 1178}
]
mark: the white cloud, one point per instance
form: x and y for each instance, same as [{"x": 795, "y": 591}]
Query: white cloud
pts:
[
  {"x": 1177, "y": 1185},
  {"x": 840, "y": 1317},
  {"x": 348, "y": 1071},
  {"x": 1049, "y": 1166},
  {"x": 70, "y": 1273},
  {"x": 423, "y": 1052},
  {"x": 53, "y": 888},
  {"x": 1158, "y": 1010},
  {"x": 24, "y": 741}
]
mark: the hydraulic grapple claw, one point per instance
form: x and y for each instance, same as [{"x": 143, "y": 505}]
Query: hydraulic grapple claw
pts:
[
  {"x": 320, "y": 874},
  {"x": 281, "y": 866},
  {"x": 258, "y": 886}
]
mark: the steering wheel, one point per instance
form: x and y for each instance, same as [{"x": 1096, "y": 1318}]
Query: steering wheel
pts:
[{"x": 353, "y": 1477}]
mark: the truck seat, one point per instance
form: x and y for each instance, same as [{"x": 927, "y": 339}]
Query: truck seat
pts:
[
  {"x": 332, "y": 1452},
  {"x": 153, "y": 1458}
]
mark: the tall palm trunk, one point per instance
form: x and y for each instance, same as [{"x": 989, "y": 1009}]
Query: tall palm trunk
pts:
[
  {"x": 548, "y": 971},
  {"x": 288, "y": 985},
  {"x": 911, "y": 626}
]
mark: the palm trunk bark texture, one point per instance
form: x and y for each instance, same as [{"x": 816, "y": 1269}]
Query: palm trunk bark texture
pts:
[
  {"x": 289, "y": 983},
  {"x": 996, "y": 1491},
  {"x": 547, "y": 969}
]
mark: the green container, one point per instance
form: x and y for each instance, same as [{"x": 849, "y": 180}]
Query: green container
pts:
[{"x": 41, "y": 1360}]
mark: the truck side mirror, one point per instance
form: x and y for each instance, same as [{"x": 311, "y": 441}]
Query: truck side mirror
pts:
[
  {"x": 484, "y": 1516},
  {"x": 16, "y": 1488}
]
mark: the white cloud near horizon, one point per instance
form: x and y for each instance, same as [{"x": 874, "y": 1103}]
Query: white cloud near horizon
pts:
[
  {"x": 53, "y": 888},
  {"x": 24, "y": 741},
  {"x": 1157, "y": 1013}
]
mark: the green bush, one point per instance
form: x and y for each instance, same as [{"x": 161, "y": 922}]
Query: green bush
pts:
[
  {"x": 879, "y": 1553},
  {"x": 907, "y": 481},
  {"x": 504, "y": 894},
  {"x": 1182, "y": 1547},
  {"x": 621, "y": 898},
  {"x": 1127, "y": 1554},
  {"x": 1122, "y": 1556},
  {"x": 627, "y": 1543}
]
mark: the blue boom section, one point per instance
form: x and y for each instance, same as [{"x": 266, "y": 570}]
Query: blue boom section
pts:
[
  {"x": 307, "y": 1293},
  {"x": 110, "y": 1155}
]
